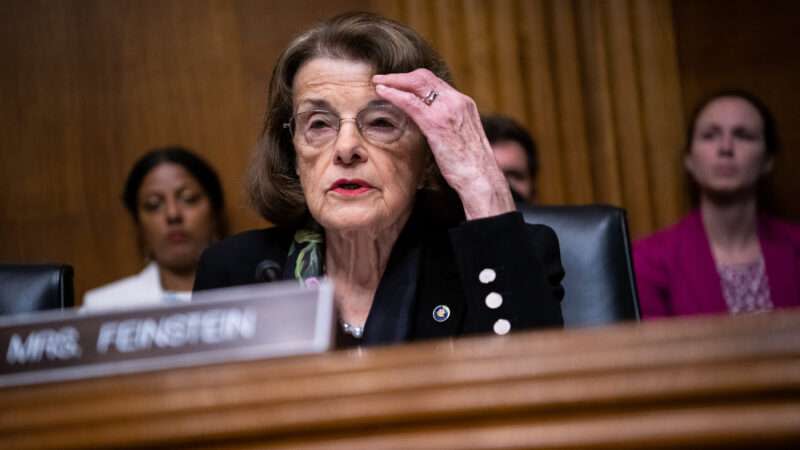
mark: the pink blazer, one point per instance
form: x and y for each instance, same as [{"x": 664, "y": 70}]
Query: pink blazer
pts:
[{"x": 676, "y": 274}]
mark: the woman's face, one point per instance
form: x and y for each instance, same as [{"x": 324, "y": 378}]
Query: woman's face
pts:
[
  {"x": 176, "y": 219},
  {"x": 352, "y": 182},
  {"x": 728, "y": 153}
]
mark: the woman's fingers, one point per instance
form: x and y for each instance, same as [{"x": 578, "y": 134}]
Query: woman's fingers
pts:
[
  {"x": 409, "y": 102},
  {"x": 411, "y": 92},
  {"x": 451, "y": 124},
  {"x": 439, "y": 111},
  {"x": 419, "y": 82}
]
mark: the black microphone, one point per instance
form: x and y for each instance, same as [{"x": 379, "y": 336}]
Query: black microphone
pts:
[{"x": 268, "y": 271}]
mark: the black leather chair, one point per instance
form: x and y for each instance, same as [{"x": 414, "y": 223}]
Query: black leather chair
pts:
[
  {"x": 596, "y": 255},
  {"x": 33, "y": 287}
]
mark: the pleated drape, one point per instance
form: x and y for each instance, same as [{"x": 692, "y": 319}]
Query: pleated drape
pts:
[{"x": 597, "y": 83}]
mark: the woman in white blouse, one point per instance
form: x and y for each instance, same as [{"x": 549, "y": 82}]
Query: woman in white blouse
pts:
[{"x": 176, "y": 201}]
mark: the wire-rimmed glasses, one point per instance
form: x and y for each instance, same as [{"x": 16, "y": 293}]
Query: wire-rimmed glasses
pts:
[{"x": 378, "y": 124}]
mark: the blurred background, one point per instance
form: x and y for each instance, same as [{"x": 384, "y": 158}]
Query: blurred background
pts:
[{"x": 88, "y": 86}]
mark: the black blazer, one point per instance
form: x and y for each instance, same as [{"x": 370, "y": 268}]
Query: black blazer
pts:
[{"x": 429, "y": 267}]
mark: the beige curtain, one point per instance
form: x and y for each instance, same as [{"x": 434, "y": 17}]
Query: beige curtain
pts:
[{"x": 597, "y": 83}]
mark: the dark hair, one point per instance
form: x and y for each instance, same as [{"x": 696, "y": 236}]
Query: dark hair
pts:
[
  {"x": 500, "y": 128},
  {"x": 386, "y": 45},
  {"x": 196, "y": 166},
  {"x": 770, "y": 131}
]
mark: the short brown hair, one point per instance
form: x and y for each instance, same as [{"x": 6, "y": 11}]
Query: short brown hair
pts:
[
  {"x": 386, "y": 45},
  {"x": 499, "y": 128}
]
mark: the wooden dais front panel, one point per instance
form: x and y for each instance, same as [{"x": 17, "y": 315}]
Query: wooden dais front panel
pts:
[{"x": 725, "y": 382}]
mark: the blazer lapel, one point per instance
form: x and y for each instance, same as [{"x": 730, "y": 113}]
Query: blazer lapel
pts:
[
  {"x": 389, "y": 318},
  {"x": 701, "y": 283},
  {"x": 780, "y": 266}
]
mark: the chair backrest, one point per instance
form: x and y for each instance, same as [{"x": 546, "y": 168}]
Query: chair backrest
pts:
[
  {"x": 596, "y": 254},
  {"x": 33, "y": 287}
]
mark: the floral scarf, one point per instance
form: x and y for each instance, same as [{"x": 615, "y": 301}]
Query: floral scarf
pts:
[{"x": 306, "y": 259}]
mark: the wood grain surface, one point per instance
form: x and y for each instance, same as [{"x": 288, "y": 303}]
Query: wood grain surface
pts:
[
  {"x": 90, "y": 85},
  {"x": 722, "y": 382}
]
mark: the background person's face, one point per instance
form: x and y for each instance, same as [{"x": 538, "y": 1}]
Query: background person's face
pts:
[
  {"x": 350, "y": 183},
  {"x": 512, "y": 160},
  {"x": 728, "y": 153},
  {"x": 175, "y": 217}
]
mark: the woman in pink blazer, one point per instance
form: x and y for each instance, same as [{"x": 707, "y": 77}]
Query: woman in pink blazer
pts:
[{"x": 725, "y": 256}]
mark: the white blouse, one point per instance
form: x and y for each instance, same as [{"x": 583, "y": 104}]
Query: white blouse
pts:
[{"x": 142, "y": 289}]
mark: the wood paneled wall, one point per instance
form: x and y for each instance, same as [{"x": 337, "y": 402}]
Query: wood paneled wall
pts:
[
  {"x": 748, "y": 45},
  {"x": 90, "y": 85},
  {"x": 607, "y": 85},
  {"x": 596, "y": 82},
  {"x": 702, "y": 383}
]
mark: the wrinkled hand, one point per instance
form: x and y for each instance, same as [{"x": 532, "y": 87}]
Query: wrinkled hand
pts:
[{"x": 452, "y": 126}]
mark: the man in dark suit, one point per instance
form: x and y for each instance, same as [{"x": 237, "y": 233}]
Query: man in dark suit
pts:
[{"x": 516, "y": 155}]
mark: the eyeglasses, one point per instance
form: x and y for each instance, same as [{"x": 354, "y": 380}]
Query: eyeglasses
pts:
[{"x": 381, "y": 124}]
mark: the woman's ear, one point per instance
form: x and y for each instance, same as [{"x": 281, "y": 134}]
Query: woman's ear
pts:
[
  {"x": 216, "y": 234},
  {"x": 688, "y": 163},
  {"x": 220, "y": 225},
  {"x": 769, "y": 163}
]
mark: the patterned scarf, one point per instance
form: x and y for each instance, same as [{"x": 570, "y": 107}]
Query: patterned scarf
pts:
[{"x": 306, "y": 257}]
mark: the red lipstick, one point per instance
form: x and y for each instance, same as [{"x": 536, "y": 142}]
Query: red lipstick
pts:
[{"x": 350, "y": 187}]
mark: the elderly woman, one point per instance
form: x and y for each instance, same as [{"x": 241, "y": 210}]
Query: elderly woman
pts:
[
  {"x": 364, "y": 149},
  {"x": 728, "y": 255}
]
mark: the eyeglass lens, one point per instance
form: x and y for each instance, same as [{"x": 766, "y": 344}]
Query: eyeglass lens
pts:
[{"x": 378, "y": 124}]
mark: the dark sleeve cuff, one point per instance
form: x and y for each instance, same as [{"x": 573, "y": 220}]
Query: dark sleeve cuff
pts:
[{"x": 510, "y": 272}]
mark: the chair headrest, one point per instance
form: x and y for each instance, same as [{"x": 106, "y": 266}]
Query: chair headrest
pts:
[
  {"x": 596, "y": 254},
  {"x": 34, "y": 287}
]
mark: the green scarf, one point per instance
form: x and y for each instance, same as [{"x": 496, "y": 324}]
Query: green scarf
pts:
[{"x": 306, "y": 256}]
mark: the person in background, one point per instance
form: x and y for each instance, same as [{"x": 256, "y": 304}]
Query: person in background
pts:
[
  {"x": 379, "y": 177},
  {"x": 516, "y": 155},
  {"x": 176, "y": 202},
  {"x": 728, "y": 255}
]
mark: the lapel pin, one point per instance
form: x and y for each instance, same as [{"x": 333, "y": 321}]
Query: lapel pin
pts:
[{"x": 441, "y": 313}]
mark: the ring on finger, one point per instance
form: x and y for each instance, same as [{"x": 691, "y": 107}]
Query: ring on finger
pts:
[{"x": 428, "y": 99}]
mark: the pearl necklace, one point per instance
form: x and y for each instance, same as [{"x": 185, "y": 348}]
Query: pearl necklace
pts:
[{"x": 352, "y": 330}]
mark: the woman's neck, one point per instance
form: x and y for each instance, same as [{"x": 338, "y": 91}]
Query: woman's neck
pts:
[
  {"x": 731, "y": 228},
  {"x": 176, "y": 280},
  {"x": 355, "y": 261}
]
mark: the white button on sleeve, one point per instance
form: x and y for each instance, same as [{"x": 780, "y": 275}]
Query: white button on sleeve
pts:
[
  {"x": 494, "y": 300},
  {"x": 502, "y": 327},
  {"x": 487, "y": 276}
]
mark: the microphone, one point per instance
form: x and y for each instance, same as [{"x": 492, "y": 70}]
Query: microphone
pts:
[{"x": 268, "y": 271}]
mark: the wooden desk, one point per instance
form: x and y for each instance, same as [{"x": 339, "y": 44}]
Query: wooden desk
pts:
[{"x": 712, "y": 382}]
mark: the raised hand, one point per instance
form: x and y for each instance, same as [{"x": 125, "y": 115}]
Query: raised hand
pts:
[{"x": 451, "y": 123}]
